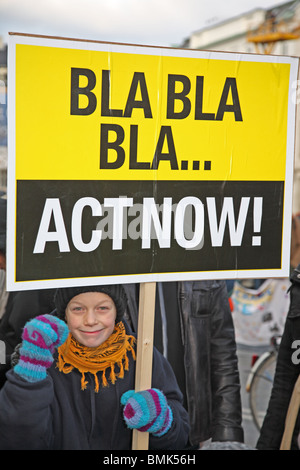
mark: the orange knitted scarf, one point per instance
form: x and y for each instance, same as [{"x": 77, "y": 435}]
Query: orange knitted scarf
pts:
[{"x": 110, "y": 354}]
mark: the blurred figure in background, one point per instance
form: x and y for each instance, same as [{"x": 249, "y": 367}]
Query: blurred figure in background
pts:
[
  {"x": 259, "y": 309},
  {"x": 16, "y": 307},
  {"x": 287, "y": 372}
]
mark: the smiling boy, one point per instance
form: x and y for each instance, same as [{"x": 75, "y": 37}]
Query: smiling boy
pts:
[{"x": 73, "y": 386}]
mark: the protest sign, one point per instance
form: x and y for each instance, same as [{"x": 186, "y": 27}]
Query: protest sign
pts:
[{"x": 138, "y": 164}]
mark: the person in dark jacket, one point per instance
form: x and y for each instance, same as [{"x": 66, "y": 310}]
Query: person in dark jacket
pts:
[
  {"x": 286, "y": 374},
  {"x": 19, "y": 306},
  {"x": 73, "y": 386},
  {"x": 194, "y": 331}
]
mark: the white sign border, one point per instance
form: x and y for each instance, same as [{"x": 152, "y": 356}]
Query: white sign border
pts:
[{"x": 70, "y": 43}]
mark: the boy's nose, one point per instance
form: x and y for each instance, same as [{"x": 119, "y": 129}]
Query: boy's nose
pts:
[{"x": 90, "y": 318}]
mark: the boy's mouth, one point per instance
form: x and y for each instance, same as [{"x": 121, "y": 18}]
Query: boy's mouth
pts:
[{"x": 91, "y": 332}]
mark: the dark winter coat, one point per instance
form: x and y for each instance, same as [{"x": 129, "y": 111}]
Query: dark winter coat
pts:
[
  {"x": 56, "y": 414},
  {"x": 286, "y": 374},
  {"x": 212, "y": 385}
]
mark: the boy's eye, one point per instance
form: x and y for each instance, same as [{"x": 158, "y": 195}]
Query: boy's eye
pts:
[{"x": 77, "y": 309}]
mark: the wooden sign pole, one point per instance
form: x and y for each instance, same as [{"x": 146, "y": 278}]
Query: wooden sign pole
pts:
[
  {"x": 291, "y": 417},
  {"x": 145, "y": 333}
]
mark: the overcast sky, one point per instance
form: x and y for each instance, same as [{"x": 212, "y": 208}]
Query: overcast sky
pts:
[{"x": 152, "y": 22}]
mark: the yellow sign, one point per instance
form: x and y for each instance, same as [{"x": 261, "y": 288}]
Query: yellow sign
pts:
[{"x": 100, "y": 114}]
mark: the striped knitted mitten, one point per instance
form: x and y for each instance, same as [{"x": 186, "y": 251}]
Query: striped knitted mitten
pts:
[
  {"x": 40, "y": 338},
  {"x": 147, "y": 411}
]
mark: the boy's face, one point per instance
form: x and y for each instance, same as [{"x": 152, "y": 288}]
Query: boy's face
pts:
[{"x": 91, "y": 318}]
